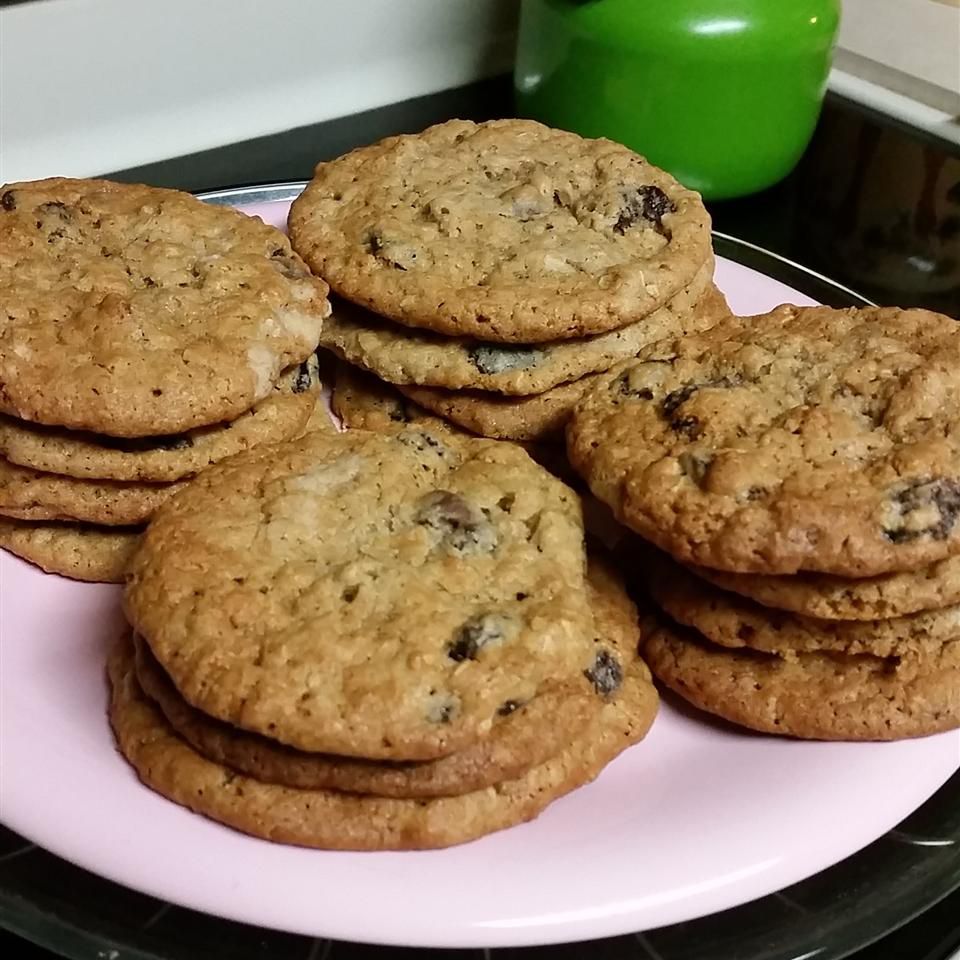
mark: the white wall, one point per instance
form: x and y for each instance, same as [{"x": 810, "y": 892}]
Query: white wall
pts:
[
  {"x": 94, "y": 85},
  {"x": 902, "y": 58},
  {"x": 912, "y": 46}
]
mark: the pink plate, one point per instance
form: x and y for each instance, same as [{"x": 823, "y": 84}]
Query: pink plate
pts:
[{"x": 698, "y": 818}]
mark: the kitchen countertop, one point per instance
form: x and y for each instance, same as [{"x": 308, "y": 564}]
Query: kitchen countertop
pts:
[{"x": 768, "y": 219}]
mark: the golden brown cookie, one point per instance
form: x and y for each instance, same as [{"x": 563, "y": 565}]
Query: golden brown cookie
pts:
[
  {"x": 363, "y": 402},
  {"x": 527, "y": 736},
  {"x": 75, "y": 550},
  {"x": 401, "y": 355},
  {"x": 540, "y": 418},
  {"x": 27, "y": 494},
  {"x": 805, "y": 439},
  {"x": 841, "y": 598},
  {"x": 283, "y": 415},
  {"x": 524, "y": 737},
  {"x": 504, "y": 231},
  {"x": 817, "y": 696},
  {"x": 733, "y": 621},
  {"x": 366, "y": 594},
  {"x": 134, "y": 311},
  {"x": 332, "y": 820}
]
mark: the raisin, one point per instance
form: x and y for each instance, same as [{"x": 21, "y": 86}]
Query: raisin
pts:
[
  {"x": 677, "y": 397},
  {"x": 444, "y": 508},
  {"x": 674, "y": 400},
  {"x": 605, "y": 674},
  {"x": 303, "y": 378},
  {"x": 647, "y": 203},
  {"x": 493, "y": 359},
  {"x": 8, "y": 200},
  {"x": 460, "y": 526},
  {"x": 941, "y": 496},
  {"x": 687, "y": 425},
  {"x": 656, "y": 204},
  {"x": 478, "y": 632}
]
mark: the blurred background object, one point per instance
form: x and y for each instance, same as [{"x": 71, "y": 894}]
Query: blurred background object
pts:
[{"x": 724, "y": 94}]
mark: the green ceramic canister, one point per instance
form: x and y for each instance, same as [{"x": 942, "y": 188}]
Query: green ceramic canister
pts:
[{"x": 724, "y": 94}]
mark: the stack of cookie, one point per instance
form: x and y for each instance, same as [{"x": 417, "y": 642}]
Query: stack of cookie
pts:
[
  {"x": 143, "y": 336},
  {"x": 374, "y": 641},
  {"x": 804, "y": 468},
  {"x": 492, "y": 271}
]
